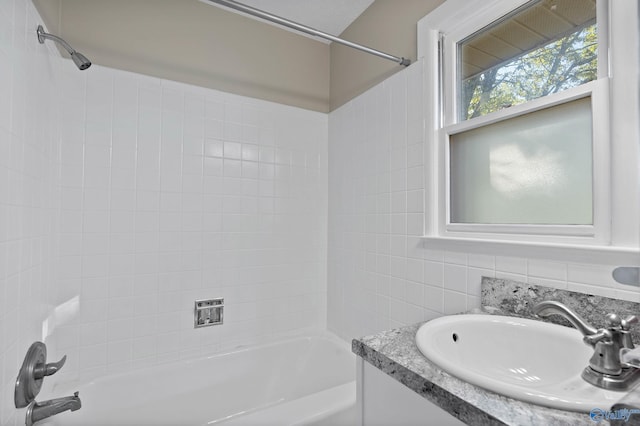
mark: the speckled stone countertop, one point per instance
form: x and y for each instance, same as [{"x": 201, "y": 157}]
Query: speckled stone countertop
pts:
[{"x": 395, "y": 353}]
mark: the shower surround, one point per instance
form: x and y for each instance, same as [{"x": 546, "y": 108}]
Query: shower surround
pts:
[{"x": 124, "y": 198}]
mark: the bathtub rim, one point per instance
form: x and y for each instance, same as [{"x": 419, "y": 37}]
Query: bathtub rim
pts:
[{"x": 66, "y": 385}]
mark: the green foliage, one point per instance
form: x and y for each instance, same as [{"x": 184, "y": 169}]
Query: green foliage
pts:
[{"x": 565, "y": 63}]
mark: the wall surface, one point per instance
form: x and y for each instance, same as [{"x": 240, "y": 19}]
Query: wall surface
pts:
[
  {"x": 386, "y": 25},
  {"x": 124, "y": 198},
  {"x": 30, "y": 86},
  {"x": 173, "y": 193},
  {"x": 196, "y": 43},
  {"x": 380, "y": 276}
]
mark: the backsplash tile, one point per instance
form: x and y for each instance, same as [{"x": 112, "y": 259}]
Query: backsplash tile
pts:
[{"x": 518, "y": 299}]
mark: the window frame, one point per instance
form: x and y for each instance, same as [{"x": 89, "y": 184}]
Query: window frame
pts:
[
  {"x": 599, "y": 232},
  {"x": 439, "y": 33}
]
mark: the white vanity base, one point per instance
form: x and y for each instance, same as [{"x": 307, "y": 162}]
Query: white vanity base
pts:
[{"x": 383, "y": 401}]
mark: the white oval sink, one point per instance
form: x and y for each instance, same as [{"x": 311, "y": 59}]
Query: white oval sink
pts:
[{"x": 523, "y": 359}]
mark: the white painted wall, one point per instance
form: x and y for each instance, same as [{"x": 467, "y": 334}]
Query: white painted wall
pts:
[{"x": 379, "y": 274}]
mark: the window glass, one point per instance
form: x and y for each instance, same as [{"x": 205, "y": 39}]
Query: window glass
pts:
[
  {"x": 545, "y": 48},
  {"x": 531, "y": 169}
]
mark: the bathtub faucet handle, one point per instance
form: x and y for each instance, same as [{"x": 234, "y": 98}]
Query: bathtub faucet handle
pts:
[{"x": 50, "y": 369}]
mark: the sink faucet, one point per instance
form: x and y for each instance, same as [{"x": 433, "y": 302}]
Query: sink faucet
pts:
[
  {"x": 550, "y": 307},
  {"x": 605, "y": 369},
  {"x": 41, "y": 410}
]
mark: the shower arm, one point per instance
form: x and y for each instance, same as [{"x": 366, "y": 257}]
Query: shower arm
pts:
[
  {"x": 303, "y": 28},
  {"x": 78, "y": 58},
  {"x": 42, "y": 36}
]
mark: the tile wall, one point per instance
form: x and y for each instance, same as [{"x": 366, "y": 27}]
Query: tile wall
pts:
[
  {"x": 29, "y": 89},
  {"x": 171, "y": 193},
  {"x": 124, "y": 198},
  {"x": 380, "y": 276}
]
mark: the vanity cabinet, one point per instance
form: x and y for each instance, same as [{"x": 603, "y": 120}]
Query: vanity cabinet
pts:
[{"x": 383, "y": 401}]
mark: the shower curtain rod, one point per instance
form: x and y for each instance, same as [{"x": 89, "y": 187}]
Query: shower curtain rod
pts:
[{"x": 303, "y": 28}]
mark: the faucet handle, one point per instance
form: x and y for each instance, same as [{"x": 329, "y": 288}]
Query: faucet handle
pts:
[
  {"x": 627, "y": 341},
  {"x": 42, "y": 370},
  {"x": 613, "y": 321},
  {"x": 601, "y": 334},
  {"x": 628, "y": 321}
]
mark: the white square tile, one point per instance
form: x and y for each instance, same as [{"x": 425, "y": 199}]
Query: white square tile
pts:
[
  {"x": 214, "y": 148},
  {"x": 455, "y": 278},
  {"x": 434, "y": 273},
  {"x": 482, "y": 261},
  {"x": 415, "y": 270},
  {"x": 597, "y": 275},
  {"x": 545, "y": 269},
  {"x": 434, "y": 298},
  {"x": 415, "y": 178},
  {"x": 415, "y": 201},
  {"x": 454, "y": 302},
  {"x": 232, "y": 150},
  {"x": 456, "y": 258},
  {"x": 474, "y": 279},
  {"x": 514, "y": 265}
]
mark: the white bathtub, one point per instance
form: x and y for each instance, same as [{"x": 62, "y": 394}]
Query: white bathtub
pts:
[{"x": 298, "y": 381}]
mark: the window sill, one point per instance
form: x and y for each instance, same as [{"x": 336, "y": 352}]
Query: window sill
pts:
[{"x": 611, "y": 255}]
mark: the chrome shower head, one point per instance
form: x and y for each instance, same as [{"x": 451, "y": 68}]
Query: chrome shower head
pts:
[{"x": 78, "y": 58}]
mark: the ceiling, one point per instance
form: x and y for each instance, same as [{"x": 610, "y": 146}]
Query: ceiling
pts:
[
  {"x": 199, "y": 43},
  {"x": 330, "y": 16}
]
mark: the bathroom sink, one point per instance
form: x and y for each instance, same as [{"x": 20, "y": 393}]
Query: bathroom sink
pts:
[{"x": 524, "y": 359}]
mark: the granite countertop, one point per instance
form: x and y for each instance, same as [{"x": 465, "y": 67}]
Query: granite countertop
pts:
[{"x": 395, "y": 353}]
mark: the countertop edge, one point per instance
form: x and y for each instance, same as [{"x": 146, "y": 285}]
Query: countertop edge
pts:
[
  {"x": 457, "y": 407},
  {"x": 395, "y": 353}
]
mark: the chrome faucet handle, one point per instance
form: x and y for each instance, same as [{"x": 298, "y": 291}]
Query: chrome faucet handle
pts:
[
  {"x": 627, "y": 341},
  {"x": 628, "y": 322},
  {"x": 32, "y": 373},
  {"x": 613, "y": 321},
  {"x": 42, "y": 370},
  {"x": 603, "y": 334}
]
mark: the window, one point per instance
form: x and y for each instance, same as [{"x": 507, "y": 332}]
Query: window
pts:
[
  {"x": 545, "y": 48},
  {"x": 531, "y": 169},
  {"x": 523, "y": 107}
]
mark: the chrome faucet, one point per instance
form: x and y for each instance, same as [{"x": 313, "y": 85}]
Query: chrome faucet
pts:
[
  {"x": 550, "y": 307},
  {"x": 37, "y": 411},
  {"x": 605, "y": 369}
]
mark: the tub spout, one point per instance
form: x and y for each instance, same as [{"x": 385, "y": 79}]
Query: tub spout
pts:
[{"x": 41, "y": 410}]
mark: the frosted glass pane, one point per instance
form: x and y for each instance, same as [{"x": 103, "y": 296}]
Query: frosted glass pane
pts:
[{"x": 532, "y": 169}]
